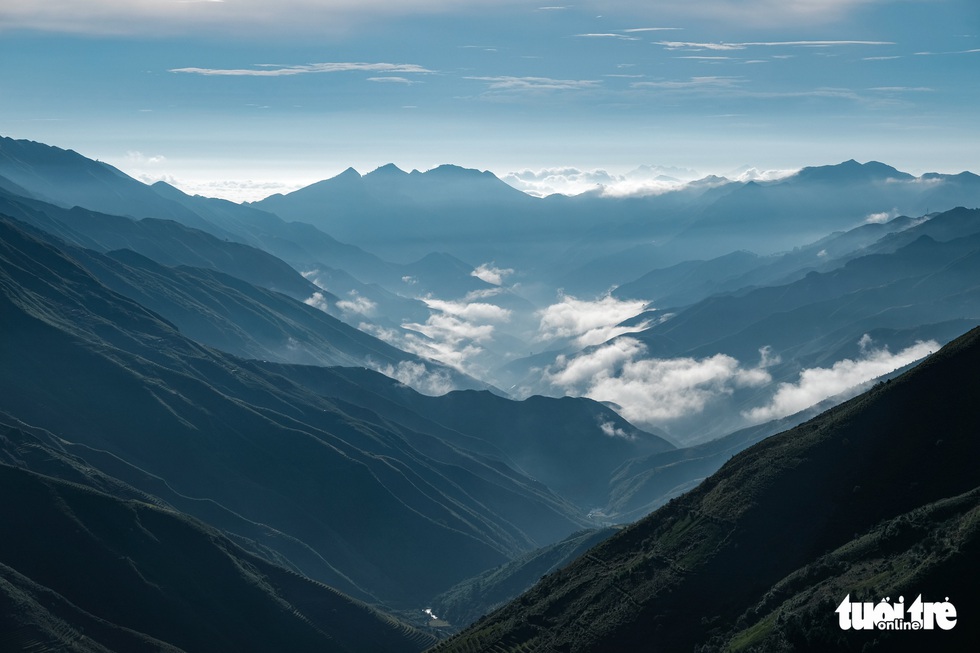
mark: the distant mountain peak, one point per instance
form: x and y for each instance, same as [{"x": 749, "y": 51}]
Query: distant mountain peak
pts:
[
  {"x": 387, "y": 170},
  {"x": 851, "y": 171}
]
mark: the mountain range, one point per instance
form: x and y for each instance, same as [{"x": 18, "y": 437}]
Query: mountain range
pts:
[
  {"x": 874, "y": 498},
  {"x": 393, "y": 396}
]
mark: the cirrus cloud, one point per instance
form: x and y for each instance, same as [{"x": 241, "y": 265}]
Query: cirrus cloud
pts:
[
  {"x": 532, "y": 84},
  {"x": 273, "y": 70}
]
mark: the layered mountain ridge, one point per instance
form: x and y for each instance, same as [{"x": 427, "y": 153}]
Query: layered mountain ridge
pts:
[
  {"x": 724, "y": 566},
  {"x": 175, "y": 357}
]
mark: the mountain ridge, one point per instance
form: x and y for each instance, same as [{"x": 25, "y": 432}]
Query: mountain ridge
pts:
[{"x": 688, "y": 571}]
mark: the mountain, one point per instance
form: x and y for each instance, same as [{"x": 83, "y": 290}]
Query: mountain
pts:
[
  {"x": 41, "y": 179},
  {"x": 850, "y": 172},
  {"x": 692, "y": 281},
  {"x": 584, "y": 244},
  {"x": 476, "y": 597},
  {"x": 405, "y": 216},
  {"x": 68, "y": 179},
  {"x": 316, "y": 482},
  {"x": 571, "y": 444},
  {"x": 924, "y": 282},
  {"x": 199, "y": 283},
  {"x": 81, "y": 570},
  {"x": 875, "y": 498},
  {"x": 687, "y": 282},
  {"x": 165, "y": 241}
]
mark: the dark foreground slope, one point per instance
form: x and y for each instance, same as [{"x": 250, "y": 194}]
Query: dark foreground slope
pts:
[
  {"x": 875, "y": 498},
  {"x": 84, "y": 571}
]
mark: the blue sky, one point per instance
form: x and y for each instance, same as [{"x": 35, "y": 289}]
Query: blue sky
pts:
[{"x": 242, "y": 98}]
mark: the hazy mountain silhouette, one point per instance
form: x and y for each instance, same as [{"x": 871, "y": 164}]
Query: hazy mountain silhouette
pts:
[
  {"x": 165, "y": 241},
  {"x": 403, "y": 215},
  {"x": 877, "y": 497},
  {"x": 68, "y": 179},
  {"x": 206, "y": 295},
  {"x": 923, "y": 282}
]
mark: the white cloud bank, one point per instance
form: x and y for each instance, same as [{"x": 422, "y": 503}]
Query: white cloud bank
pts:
[
  {"x": 588, "y": 323},
  {"x": 819, "y": 383},
  {"x": 660, "y": 391},
  {"x": 653, "y": 390},
  {"x": 639, "y": 182},
  {"x": 490, "y": 273}
]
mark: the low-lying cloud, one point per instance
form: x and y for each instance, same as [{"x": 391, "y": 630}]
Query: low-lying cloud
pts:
[
  {"x": 881, "y": 217},
  {"x": 819, "y": 383},
  {"x": 490, "y": 273},
  {"x": 455, "y": 334},
  {"x": 589, "y": 323},
  {"x": 660, "y": 391},
  {"x": 642, "y": 181},
  {"x": 357, "y": 303},
  {"x": 646, "y": 180},
  {"x": 317, "y": 300},
  {"x": 417, "y": 376},
  {"x": 654, "y": 390}
]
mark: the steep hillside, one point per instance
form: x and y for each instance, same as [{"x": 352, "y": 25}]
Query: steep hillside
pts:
[
  {"x": 778, "y": 520},
  {"x": 134, "y": 396},
  {"x": 84, "y": 571}
]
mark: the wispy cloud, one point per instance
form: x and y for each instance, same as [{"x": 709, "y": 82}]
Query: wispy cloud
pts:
[
  {"x": 358, "y": 304},
  {"x": 634, "y": 30},
  {"x": 621, "y": 37},
  {"x": 471, "y": 311},
  {"x": 721, "y": 45},
  {"x": 694, "y": 83},
  {"x": 136, "y": 158},
  {"x": 902, "y": 89},
  {"x": 929, "y": 54},
  {"x": 273, "y": 70},
  {"x": 393, "y": 80},
  {"x": 456, "y": 333},
  {"x": 416, "y": 375},
  {"x": 705, "y": 57},
  {"x": 518, "y": 84}
]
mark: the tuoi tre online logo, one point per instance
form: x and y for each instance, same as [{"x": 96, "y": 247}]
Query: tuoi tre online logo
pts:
[{"x": 920, "y": 615}]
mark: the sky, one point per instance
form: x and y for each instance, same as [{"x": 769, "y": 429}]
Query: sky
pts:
[{"x": 244, "y": 98}]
